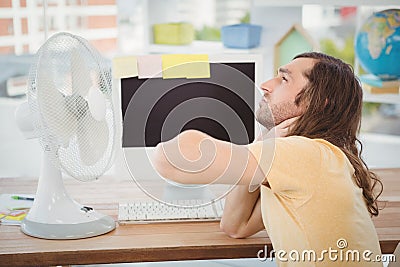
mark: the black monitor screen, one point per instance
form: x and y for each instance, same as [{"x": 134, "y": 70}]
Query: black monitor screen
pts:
[{"x": 156, "y": 109}]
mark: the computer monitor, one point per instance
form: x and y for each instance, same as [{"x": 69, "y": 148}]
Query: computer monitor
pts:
[{"x": 156, "y": 109}]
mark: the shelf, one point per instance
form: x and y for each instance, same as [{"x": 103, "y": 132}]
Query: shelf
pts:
[
  {"x": 380, "y": 150},
  {"x": 381, "y": 98},
  {"x": 284, "y": 3},
  {"x": 197, "y": 47}
]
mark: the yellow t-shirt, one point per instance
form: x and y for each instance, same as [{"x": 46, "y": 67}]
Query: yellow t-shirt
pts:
[{"x": 313, "y": 211}]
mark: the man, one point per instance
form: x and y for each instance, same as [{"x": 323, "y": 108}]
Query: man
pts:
[{"x": 316, "y": 195}]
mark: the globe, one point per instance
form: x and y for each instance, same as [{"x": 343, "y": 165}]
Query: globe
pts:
[{"x": 377, "y": 44}]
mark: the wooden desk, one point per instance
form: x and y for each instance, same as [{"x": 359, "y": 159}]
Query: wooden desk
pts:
[{"x": 155, "y": 242}]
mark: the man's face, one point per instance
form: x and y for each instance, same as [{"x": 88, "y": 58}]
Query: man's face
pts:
[{"x": 280, "y": 93}]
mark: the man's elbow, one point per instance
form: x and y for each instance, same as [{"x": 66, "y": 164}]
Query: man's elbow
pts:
[
  {"x": 234, "y": 231},
  {"x": 161, "y": 163}
]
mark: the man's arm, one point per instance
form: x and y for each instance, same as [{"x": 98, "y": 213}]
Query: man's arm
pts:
[
  {"x": 242, "y": 213},
  {"x": 194, "y": 157}
]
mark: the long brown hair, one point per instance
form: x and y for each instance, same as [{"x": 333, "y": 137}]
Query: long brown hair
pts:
[{"x": 333, "y": 101}]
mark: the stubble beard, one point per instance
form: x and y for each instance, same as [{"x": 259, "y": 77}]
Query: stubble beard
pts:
[
  {"x": 264, "y": 116},
  {"x": 271, "y": 115}
]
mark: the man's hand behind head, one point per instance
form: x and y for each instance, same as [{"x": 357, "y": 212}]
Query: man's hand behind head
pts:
[{"x": 280, "y": 130}]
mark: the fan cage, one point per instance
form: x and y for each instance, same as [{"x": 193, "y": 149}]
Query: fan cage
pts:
[{"x": 58, "y": 116}]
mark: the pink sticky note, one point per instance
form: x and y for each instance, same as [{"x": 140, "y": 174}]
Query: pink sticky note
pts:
[{"x": 149, "y": 66}]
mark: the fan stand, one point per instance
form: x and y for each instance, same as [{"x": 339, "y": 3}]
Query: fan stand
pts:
[{"x": 54, "y": 215}]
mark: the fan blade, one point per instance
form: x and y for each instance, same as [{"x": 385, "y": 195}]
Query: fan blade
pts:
[
  {"x": 97, "y": 103},
  {"x": 80, "y": 74},
  {"x": 52, "y": 105},
  {"x": 92, "y": 139}
]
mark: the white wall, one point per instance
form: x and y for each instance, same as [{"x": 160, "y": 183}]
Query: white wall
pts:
[{"x": 276, "y": 21}]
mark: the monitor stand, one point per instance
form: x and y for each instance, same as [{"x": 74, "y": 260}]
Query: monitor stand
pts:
[
  {"x": 176, "y": 191},
  {"x": 140, "y": 168}
]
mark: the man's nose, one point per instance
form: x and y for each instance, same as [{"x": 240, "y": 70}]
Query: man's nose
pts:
[{"x": 268, "y": 86}]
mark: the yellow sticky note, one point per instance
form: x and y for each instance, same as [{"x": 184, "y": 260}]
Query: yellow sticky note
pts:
[
  {"x": 124, "y": 67},
  {"x": 198, "y": 67},
  {"x": 173, "y": 66},
  {"x": 185, "y": 66}
]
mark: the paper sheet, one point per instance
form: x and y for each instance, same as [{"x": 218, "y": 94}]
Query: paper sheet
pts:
[{"x": 12, "y": 211}]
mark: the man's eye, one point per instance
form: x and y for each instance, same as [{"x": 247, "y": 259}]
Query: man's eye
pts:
[{"x": 284, "y": 78}]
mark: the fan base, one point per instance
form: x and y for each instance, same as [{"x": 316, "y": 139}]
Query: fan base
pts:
[{"x": 68, "y": 231}]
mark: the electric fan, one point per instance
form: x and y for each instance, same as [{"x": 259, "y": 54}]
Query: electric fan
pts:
[{"x": 70, "y": 110}]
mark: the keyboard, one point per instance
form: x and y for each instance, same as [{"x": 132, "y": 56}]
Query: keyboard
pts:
[{"x": 153, "y": 211}]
